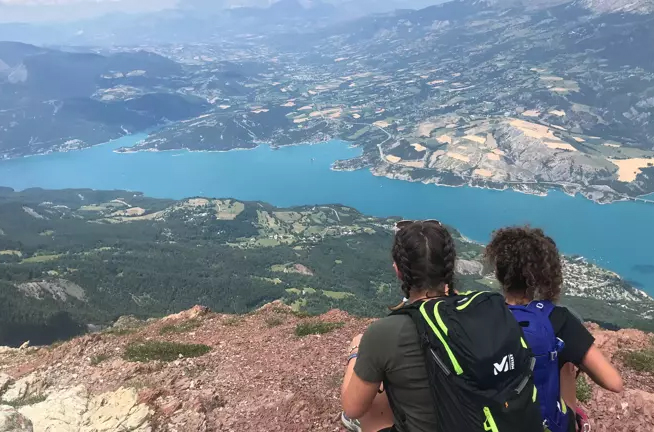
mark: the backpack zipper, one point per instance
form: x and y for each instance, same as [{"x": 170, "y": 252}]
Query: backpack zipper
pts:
[{"x": 439, "y": 362}]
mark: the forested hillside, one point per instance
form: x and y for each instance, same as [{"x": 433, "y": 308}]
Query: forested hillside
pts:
[{"x": 73, "y": 258}]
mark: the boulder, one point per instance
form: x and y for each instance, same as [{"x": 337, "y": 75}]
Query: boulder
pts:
[
  {"x": 61, "y": 411},
  {"x": 29, "y": 386},
  {"x": 127, "y": 322},
  {"x": 13, "y": 421},
  {"x": 195, "y": 312},
  {"x": 466, "y": 267},
  {"x": 75, "y": 410},
  {"x": 5, "y": 382}
]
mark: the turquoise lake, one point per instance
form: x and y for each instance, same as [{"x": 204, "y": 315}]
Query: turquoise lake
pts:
[{"x": 618, "y": 236}]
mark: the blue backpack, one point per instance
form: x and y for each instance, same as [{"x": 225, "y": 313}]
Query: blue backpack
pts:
[{"x": 537, "y": 328}]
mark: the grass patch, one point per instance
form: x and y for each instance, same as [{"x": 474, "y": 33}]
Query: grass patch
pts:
[
  {"x": 293, "y": 291},
  {"x": 584, "y": 391},
  {"x": 41, "y": 258},
  {"x": 300, "y": 314},
  {"x": 338, "y": 295},
  {"x": 184, "y": 327},
  {"x": 233, "y": 321},
  {"x": 56, "y": 344},
  {"x": 358, "y": 134},
  {"x": 120, "y": 331},
  {"x": 316, "y": 327},
  {"x": 164, "y": 351},
  {"x": 295, "y": 313},
  {"x": 274, "y": 321},
  {"x": 301, "y": 291},
  {"x": 96, "y": 360},
  {"x": 26, "y": 401},
  {"x": 641, "y": 361}
]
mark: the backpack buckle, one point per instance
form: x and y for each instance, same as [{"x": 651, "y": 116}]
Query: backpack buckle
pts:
[
  {"x": 560, "y": 344},
  {"x": 559, "y": 347}
]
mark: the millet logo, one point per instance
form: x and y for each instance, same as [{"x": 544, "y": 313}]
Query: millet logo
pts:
[{"x": 507, "y": 364}]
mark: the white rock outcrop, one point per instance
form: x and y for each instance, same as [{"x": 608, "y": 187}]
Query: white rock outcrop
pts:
[
  {"x": 13, "y": 421},
  {"x": 75, "y": 410}
]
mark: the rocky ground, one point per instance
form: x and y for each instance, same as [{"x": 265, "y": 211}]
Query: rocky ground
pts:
[{"x": 258, "y": 376}]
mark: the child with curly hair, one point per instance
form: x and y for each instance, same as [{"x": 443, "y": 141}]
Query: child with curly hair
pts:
[{"x": 528, "y": 266}]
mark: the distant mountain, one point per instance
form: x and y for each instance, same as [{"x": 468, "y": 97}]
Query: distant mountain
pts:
[
  {"x": 614, "y": 6},
  {"x": 359, "y": 7},
  {"x": 203, "y": 21},
  {"x": 51, "y": 97}
]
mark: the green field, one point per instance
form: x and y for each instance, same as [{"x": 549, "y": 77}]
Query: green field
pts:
[
  {"x": 42, "y": 258},
  {"x": 337, "y": 295}
]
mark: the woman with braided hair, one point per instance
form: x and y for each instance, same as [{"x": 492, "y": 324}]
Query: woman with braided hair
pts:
[{"x": 390, "y": 351}]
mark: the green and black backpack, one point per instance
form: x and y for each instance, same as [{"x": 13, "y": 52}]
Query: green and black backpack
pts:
[{"x": 479, "y": 366}]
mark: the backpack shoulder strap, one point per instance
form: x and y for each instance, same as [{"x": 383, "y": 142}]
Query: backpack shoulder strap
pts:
[
  {"x": 543, "y": 306},
  {"x": 543, "y": 309}
]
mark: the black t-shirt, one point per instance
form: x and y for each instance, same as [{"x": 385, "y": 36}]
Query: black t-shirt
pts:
[{"x": 570, "y": 330}]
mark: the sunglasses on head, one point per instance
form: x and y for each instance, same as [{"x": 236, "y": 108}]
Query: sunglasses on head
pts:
[{"x": 405, "y": 223}]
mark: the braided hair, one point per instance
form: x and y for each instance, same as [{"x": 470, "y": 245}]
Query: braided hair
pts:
[
  {"x": 527, "y": 263},
  {"x": 425, "y": 256}
]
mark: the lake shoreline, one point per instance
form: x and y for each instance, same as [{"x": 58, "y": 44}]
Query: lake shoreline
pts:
[
  {"x": 614, "y": 236},
  {"x": 373, "y": 169}
]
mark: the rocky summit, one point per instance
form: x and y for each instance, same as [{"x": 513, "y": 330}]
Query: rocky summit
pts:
[{"x": 273, "y": 369}]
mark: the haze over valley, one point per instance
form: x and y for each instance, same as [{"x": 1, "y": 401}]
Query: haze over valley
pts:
[
  {"x": 199, "y": 199},
  {"x": 541, "y": 98}
]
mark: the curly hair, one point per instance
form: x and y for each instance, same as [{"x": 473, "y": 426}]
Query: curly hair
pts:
[
  {"x": 527, "y": 263},
  {"x": 425, "y": 255}
]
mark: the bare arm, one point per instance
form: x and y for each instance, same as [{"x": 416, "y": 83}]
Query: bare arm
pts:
[
  {"x": 601, "y": 370},
  {"x": 357, "y": 395}
]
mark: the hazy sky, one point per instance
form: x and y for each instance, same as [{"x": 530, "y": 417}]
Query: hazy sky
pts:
[{"x": 60, "y": 10}]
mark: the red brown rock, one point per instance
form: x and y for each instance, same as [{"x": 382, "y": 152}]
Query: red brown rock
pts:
[{"x": 259, "y": 377}]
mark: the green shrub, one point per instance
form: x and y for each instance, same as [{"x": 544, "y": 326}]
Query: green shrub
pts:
[
  {"x": 274, "y": 321},
  {"x": 584, "y": 390},
  {"x": 641, "y": 361},
  {"x": 56, "y": 344},
  {"x": 233, "y": 321},
  {"x": 288, "y": 311},
  {"x": 184, "y": 327},
  {"x": 26, "y": 401},
  {"x": 300, "y": 314},
  {"x": 315, "y": 327},
  {"x": 164, "y": 351},
  {"x": 120, "y": 331},
  {"x": 96, "y": 360}
]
